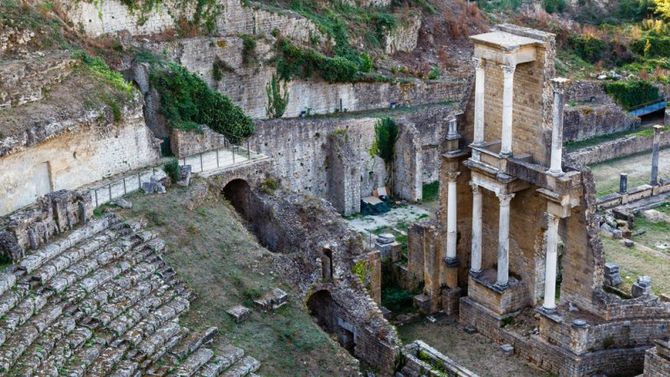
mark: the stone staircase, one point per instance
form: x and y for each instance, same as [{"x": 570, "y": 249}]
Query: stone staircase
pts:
[{"x": 100, "y": 301}]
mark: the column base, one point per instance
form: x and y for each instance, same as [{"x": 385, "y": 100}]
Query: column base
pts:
[
  {"x": 556, "y": 173},
  {"x": 547, "y": 311},
  {"x": 475, "y": 274},
  {"x": 500, "y": 286},
  {"x": 452, "y": 262}
]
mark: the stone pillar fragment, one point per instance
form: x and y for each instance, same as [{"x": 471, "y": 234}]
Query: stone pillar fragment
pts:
[
  {"x": 551, "y": 263},
  {"x": 480, "y": 80},
  {"x": 654, "y": 155},
  {"x": 623, "y": 183},
  {"x": 476, "y": 251},
  {"x": 557, "y": 129},
  {"x": 503, "y": 240},
  {"x": 508, "y": 109}
]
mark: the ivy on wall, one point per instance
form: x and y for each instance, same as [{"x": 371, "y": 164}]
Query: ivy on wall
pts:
[{"x": 632, "y": 94}]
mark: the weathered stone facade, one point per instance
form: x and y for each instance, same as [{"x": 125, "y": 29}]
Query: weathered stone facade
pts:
[{"x": 524, "y": 215}]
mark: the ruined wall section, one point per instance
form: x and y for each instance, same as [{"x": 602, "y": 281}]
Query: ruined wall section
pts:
[
  {"x": 625, "y": 146},
  {"x": 407, "y": 164},
  {"x": 72, "y": 153}
]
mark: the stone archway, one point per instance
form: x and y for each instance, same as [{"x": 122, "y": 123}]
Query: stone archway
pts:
[
  {"x": 329, "y": 316},
  {"x": 238, "y": 193}
]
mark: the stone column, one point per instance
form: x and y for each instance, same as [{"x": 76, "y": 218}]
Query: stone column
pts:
[
  {"x": 480, "y": 81},
  {"x": 452, "y": 128},
  {"x": 476, "y": 252},
  {"x": 558, "y": 85},
  {"x": 508, "y": 108},
  {"x": 551, "y": 263},
  {"x": 623, "y": 183},
  {"x": 654, "y": 154},
  {"x": 452, "y": 218},
  {"x": 503, "y": 240}
]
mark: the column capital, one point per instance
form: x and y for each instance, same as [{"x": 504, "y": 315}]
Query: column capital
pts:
[
  {"x": 478, "y": 63},
  {"x": 505, "y": 198},
  {"x": 551, "y": 217},
  {"x": 508, "y": 69},
  {"x": 453, "y": 175},
  {"x": 560, "y": 84},
  {"x": 474, "y": 187}
]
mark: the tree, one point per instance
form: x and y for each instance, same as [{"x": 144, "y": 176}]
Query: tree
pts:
[{"x": 663, "y": 8}]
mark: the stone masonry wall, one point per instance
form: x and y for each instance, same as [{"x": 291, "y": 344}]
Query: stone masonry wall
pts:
[
  {"x": 617, "y": 148},
  {"x": 92, "y": 151},
  {"x": 586, "y": 121},
  {"x": 245, "y": 83}
]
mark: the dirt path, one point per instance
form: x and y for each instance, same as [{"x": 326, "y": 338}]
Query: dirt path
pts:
[{"x": 638, "y": 168}]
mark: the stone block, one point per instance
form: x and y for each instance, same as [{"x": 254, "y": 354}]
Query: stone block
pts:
[
  {"x": 642, "y": 287},
  {"x": 184, "y": 175},
  {"x": 239, "y": 313},
  {"x": 507, "y": 349},
  {"x": 450, "y": 300},
  {"x": 272, "y": 300},
  {"x": 612, "y": 274},
  {"x": 423, "y": 303},
  {"x": 154, "y": 186}
]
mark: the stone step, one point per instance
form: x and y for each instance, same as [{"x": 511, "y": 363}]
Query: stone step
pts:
[
  {"x": 64, "y": 351},
  {"x": 193, "y": 342},
  {"x": 42, "y": 347},
  {"x": 194, "y": 362},
  {"x": 243, "y": 367},
  {"x": 229, "y": 356},
  {"x": 33, "y": 261},
  {"x": 126, "y": 368}
]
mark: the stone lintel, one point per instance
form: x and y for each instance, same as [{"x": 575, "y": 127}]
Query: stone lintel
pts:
[{"x": 505, "y": 48}]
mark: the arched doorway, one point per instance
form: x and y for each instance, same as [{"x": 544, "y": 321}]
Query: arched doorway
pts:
[
  {"x": 238, "y": 193},
  {"x": 329, "y": 317}
]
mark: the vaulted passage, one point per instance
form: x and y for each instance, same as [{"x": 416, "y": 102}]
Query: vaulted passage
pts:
[
  {"x": 327, "y": 314},
  {"x": 238, "y": 193}
]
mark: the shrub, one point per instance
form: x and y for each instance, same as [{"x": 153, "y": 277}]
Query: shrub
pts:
[
  {"x": 277, "y": 97},
  {"x": 434, "y": 73},
  {"x": 248, "y": 48},
  {"x": 304, "y": 63},
  {"x": 635, "y": 10},
  {"x": 587, "y": 47},
  {"x": 171, "y": 168},
  {"x": 652, "y": 45},
  {"x": 632, "y": 94},
  {"x": 187, "y": 102},
  {"x": 554, "y": 6}
]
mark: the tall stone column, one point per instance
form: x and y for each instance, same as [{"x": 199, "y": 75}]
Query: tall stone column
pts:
[
  {"x": 480, "y": 81},
  {"x": 476, "y": 251},
  {"x": 508, "y": 109},
  {"x": 503, "y": 240},
  {"x": 551, "y": 263},
  {"x": 558, "y": 85},
  {"x": 452, "y": 218},
  {"x": 654, "y": 154}
]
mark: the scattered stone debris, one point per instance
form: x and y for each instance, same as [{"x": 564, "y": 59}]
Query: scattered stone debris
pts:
[
  {"x": 154, "y": 186},
  {"x": 628, "y": 242},
  {"x": 469, "y": 329},
  {"x": 655, "y": 216},
  {"x": 642, "y": 287},
  {"x": 388, "y": 246},
  {"x": 612, "y": 274},
  {"x": 123, "y": 203},
  {"x": 507, "y": 349},
  {"x": 272, "y": 300},
  {"x": 239, "y": 313}
]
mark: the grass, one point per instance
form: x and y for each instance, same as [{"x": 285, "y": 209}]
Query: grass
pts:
[
  {"x": 431, "y": 192},
  {"x": 634, "y": 262},
  {"x": 222, "y": 262}
]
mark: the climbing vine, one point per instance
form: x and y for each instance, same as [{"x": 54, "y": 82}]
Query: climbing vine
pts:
[{"x": 277, "y": 93}]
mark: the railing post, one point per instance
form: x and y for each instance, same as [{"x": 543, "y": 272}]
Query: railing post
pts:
[
  {"x": 217, "y": 158},
  {"x": 125, "y": 191},
  {"x": 109, "y": 188},
  {"x": 201, "y": 166},
  {"x": 233, "y": 154},
  {"x": 139, "y": 181},
  {"x": 248, "y": 150},
  {"x": 95, "y": 191}
]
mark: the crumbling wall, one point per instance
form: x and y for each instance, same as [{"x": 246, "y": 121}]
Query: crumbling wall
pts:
[
  {"x": 307, "y": 226},
  {"x": 188, "y": 143},
  {"x": 620, "y": 147},
  {"x": 94, "y": 148},
  {"x": 35, "y": 225},
  {"x": 407, "y": 164},
  {"x": 404, "y": 36},
  {"x": 585, "y": 121},
  {"x": 344, "y": 174}
]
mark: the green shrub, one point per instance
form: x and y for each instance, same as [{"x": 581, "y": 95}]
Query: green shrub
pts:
[
  {"x": 632, "y": 94},
  {"x": 304, "y": 63},
  {"x": 635, "y": 10},
  {"x": 652, "y": 45},
  {"x": 434, "y": 73},
  {"x": 554, "y": 6},
  {"x": 187, "y": 102},
  {"x": 386, "y": 135},
  {"x": 277, "y": 97},
  {"x": 171, "y": 168},
  {"x": 587, "y": 47},
  {"x": 248, "y": 48},
  {"x": 396, "y": 299}
]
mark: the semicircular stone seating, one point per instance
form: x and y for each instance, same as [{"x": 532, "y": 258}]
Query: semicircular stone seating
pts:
[{"x": 100, "y": 301}]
